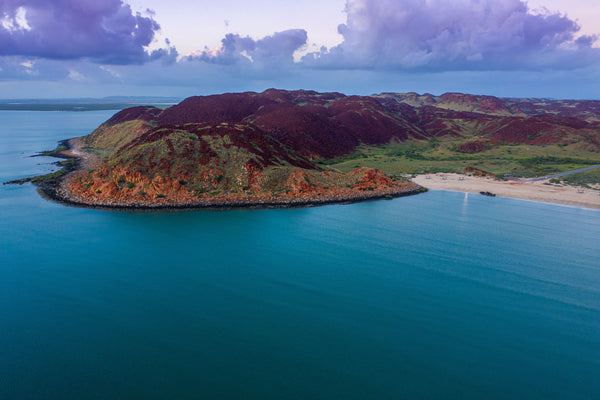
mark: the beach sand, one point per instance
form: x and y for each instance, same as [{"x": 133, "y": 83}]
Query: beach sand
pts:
[{"x": 535, "y": 191}]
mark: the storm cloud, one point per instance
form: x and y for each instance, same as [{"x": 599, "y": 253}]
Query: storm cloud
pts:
[
  {"x": 104, "y": 31},
  {"x": 442, "y": 35}
]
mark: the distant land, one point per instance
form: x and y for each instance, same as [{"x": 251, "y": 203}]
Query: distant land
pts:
[
  {"x": 86, "y": 104},
  {"x": 287, "y": 148}
]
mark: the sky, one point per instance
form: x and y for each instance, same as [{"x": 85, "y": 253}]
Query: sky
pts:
[{"x": 180, "y": 48}]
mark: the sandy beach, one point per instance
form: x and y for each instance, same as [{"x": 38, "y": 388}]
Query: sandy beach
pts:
[{"x": 536, "y": 191}]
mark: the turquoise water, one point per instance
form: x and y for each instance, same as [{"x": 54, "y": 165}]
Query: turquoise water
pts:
[{"x": 435, "y": 296}]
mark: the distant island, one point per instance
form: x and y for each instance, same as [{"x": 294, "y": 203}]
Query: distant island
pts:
[{"x": 291, "y": 148}]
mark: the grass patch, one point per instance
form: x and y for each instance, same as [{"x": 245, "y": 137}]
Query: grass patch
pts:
[
  {"x": 440, "y": 155},
  {"x": 585, "y": 179}
]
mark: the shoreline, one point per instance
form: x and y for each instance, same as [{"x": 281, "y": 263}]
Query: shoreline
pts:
[
  {"x": 223, "y": 205},
  {"x": 58, "y": 191},
  {"x": 539, "y": 191}
]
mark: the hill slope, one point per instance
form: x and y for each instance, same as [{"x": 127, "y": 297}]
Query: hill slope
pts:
[{"x": 145, "y": 161}]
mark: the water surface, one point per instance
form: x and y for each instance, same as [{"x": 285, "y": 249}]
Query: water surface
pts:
[{"x": 440, "y": 295}]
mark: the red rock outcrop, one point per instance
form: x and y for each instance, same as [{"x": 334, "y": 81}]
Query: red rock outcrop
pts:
[{"x": 473, "y": 147}]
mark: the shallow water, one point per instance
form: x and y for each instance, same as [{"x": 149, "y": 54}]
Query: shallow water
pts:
[{"x": 440, "y": 295}]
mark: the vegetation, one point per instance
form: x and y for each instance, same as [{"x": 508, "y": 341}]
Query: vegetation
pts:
[
  {"x": 417, "y": 157},
  {"x": 52, "y": 178},
  {"x": 52, "y": 153},
  {"x": 589, "y": 179}
]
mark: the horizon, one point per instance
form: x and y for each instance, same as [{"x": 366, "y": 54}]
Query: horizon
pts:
[{"x": 23, "y": 100}]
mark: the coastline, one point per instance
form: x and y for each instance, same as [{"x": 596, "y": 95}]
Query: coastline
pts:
[
  {"x": 540, "y": 191},
  {"x": 57, "y": 190}
]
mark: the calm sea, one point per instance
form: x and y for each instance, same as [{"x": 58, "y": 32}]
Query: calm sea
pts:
[{"x": 436, "y": 296}]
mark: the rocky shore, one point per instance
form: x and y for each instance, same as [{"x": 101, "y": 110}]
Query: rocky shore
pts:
[
  {"x": 63, "y": 195},
  {"x": 61, "y": 189}
]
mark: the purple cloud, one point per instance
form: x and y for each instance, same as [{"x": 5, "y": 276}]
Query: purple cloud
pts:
[
  {"x": 105, "y": 31},
  {"x": 454, "y": 35},
  {"x": 276, "y": 49}
]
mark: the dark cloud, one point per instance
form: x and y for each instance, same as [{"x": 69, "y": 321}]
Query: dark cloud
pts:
[
  {"x": 105, "y": 31},
  {"x": 273, "y": 50},
  {"x": 455, "y": 35}
]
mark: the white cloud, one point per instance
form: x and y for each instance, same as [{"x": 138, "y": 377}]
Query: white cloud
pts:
[
  {"x": 16, "y": 21},
  {"x": 75, "y": 75}
]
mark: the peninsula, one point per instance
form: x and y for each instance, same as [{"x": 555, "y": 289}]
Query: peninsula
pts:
[
  {"x": 294, "y": 148},
  {"x": 227, "y": 151}
]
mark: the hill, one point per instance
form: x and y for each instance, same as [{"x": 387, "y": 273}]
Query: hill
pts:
[
  {"x": 326, "y": 125},
  {"x": 229, "y": 150},
  {"x": 277, "y": 147}
]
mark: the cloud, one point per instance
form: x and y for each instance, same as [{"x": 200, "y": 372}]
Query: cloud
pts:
[
  {"x": 273, "y": 50},
  {"x": 440, "y": 35},
  {"x": 97, "y": 47},
  {"x": 104, "y": 31},
  {"x": 29, "y": 69}
]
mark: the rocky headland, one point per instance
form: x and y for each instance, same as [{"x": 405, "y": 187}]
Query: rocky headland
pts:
[
  {"x": 268, "y": 149},
  {"x": 92, "y": 183}
]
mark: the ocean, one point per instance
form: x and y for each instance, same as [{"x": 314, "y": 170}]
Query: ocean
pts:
[{"x": 442, "y": 295}]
